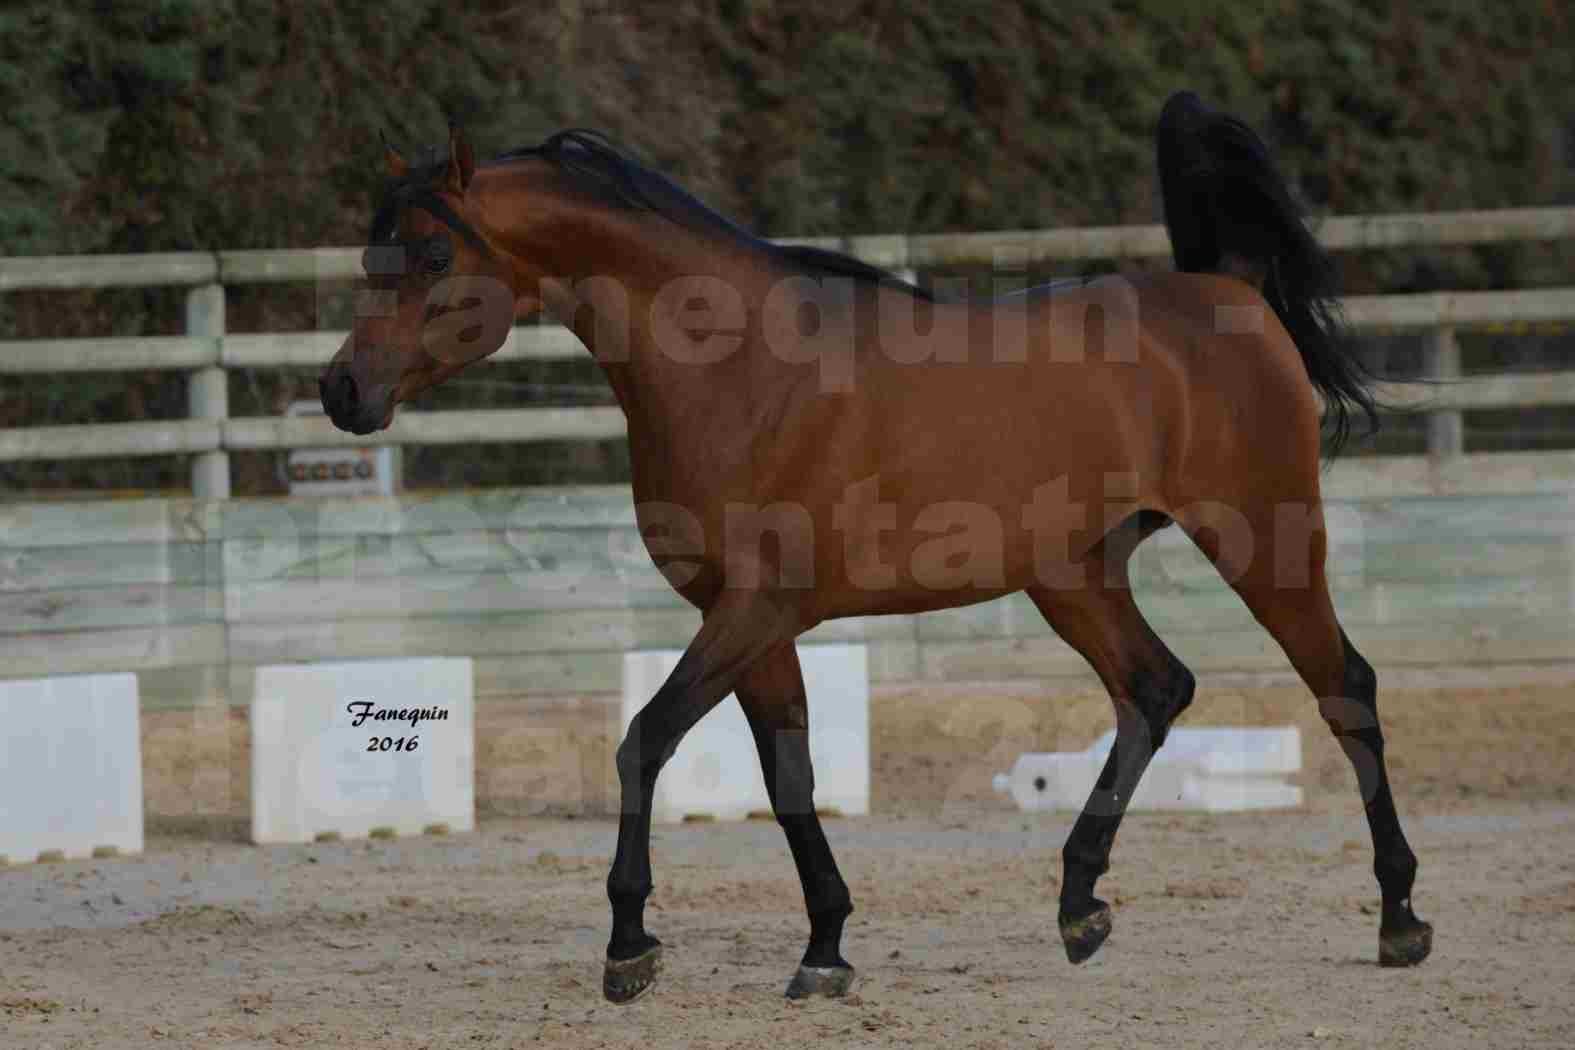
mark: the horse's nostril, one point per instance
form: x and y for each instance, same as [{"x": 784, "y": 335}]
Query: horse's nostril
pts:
[{"x": 339, "y": 395}]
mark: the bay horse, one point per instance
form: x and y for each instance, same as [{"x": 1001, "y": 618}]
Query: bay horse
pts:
[{"x": 813, "y": 438}]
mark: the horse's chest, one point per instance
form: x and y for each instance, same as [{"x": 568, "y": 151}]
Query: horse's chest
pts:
[{"x": 678, "y": 535}]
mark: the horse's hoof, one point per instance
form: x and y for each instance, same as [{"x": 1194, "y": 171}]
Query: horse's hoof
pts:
[
  {"x": 1083, "y": 936},
  {"x": 832, "y": 982},
  {"x": 625, "y": 980},
  {"x": 1406, "y": 946}
]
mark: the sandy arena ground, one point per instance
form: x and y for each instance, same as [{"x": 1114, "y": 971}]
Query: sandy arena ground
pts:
[{"x": 1231, "y": 931}]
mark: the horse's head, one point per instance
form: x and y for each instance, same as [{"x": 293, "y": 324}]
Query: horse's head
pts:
[{"x": 441, "y": 292}]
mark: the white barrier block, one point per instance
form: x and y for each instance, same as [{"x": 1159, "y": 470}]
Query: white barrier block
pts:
[
  {"x": 716, "y": 770},
  {"x": 1235, "y": 794},
  {"x": 1226, "y": 750},
  {"x": 323, "y": 762},
  {"x": 71, "y": 774},
  {"x": 1209, "y": 769}
]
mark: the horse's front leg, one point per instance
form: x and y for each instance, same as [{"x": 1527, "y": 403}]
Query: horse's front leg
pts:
[
  {"x": 771, "y": 693},
  {"x": 738, "y": 628}
]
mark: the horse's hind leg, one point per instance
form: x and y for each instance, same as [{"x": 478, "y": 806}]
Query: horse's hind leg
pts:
[
  {"x": 1283, "y": 582},
  {"x": 771, "y": 693},
  {"x": 1150, "y": 688}
]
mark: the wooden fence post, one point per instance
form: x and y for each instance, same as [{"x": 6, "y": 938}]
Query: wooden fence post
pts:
[
  {"x": 208, "y": 392},
  {"x": 1446, "y": 432}
]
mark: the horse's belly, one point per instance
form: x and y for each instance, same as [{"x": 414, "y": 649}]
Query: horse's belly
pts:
[{"x": 918, "y": 557}]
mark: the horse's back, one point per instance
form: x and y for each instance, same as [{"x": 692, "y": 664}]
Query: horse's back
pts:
[
  {"x": 1187, "y": 383},
  {"x": 1154, "y": 378}
]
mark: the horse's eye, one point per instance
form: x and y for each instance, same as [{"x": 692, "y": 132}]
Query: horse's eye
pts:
[
  {"x": 437, "y": 255},
  {"x": 383, "y": 260}
]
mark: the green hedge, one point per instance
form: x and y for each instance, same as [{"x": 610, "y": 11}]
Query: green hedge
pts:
[{"x": 167, "y": 124}]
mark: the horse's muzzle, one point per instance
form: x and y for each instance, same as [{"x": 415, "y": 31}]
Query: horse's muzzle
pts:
[{"x": 346, "y": 407}]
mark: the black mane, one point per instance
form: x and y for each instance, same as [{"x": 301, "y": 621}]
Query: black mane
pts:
[{"x": 594, "y": 164}]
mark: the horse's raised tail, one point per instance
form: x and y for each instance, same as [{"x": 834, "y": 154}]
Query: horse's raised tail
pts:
[{"x": 1229, "y": 210}]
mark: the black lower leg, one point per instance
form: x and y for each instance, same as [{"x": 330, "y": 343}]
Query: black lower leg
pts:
[
  {"x": 1141, "y": 726},
  {"x": 826, "y": 897},
  {"x": 784, "y": 760},
  {"x": 1142, "y": 723},
  {"x": 738, "y": 627},
  {"x": 1083, "y": 918},
  {"x": 629, "y": 881},
  {"x": 634, "y": 957},
  {"x": 1086, "y": 855},
  {"x": 1353, "y": 718}
]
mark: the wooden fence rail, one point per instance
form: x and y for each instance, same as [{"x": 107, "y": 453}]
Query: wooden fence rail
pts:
[{"x": 208, "y": 350}]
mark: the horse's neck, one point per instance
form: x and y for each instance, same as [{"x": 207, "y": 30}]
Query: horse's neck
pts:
[{"x": 617, "y": 294}]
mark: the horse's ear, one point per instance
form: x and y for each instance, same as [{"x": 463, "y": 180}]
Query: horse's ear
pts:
[
  {"x": 461, "y": 161},
  {"x": 395, "y": 161}
]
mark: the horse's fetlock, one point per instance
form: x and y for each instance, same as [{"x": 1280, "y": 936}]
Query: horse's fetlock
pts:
[
  {"x": 1396, "y": 868},
  {"x": 625, "y": 891},
  {"x": 1084, "y": 862},
  {"x": 835, "y": 909}
]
